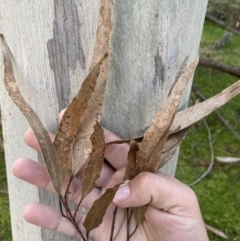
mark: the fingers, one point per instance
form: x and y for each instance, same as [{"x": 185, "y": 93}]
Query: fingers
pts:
[
  {"x": 115, "y": 154},
  {"x": 160, "y": 191},
  {"x": 60, "y": 116},
  {"x": 50, "y": 218},
  {"x": 36, "y": 174},
  {"x": 31, "y": 140}
]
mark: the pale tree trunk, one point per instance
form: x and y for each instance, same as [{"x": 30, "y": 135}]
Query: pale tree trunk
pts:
[{"x": 52, "y": 43}]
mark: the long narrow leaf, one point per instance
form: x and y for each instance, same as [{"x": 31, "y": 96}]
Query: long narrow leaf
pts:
[
  {"x": 130, "y": 172},
  {"x": 94, "y": 166},
  {"x": 163, "y": 118},
  {"x": 96, "y": 213},
  {"x": 195, "y": 113},
  {"x": 72, "y": 116},
  {"x": 172, "y": 144},
  {"x": 47, "y": 148},
  {"x": 82, "y": 145}
]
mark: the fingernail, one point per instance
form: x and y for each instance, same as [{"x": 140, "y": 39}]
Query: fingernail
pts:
[{"x": 122, "y": 194}]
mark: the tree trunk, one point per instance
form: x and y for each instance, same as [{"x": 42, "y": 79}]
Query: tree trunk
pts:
[{"x": 52, "y": 43}]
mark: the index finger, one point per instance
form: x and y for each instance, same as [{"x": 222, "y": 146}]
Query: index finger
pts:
[{"x": 116, "y": 154}]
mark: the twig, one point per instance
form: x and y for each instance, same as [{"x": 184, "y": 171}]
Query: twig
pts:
[
  {"x": 113, "y": 223},
  {"x": 221, "y": 24},
  {"x": 212, "y": 156},
  {"x": 216, "y": 231},
  {"x": 200, "y": 94},
  {"x": 71, "y": 217},
  {"x": 128, "y": 221},
  {"x": 133, "y": 231},
  {"x": 3, "y": 192},
  {"x": 219, "y": 66},
  {"x": 222, "y": 41}
]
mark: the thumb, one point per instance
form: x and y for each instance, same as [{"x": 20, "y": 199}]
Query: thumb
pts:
[{"x": 158, "y": 190}]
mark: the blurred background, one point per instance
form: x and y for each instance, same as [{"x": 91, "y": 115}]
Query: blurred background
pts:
[{"x": 209, "y": 159}]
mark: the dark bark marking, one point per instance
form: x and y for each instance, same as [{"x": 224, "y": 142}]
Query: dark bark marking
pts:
[
  {"x": 65, "y": 49},
  {"x": 159, "y": 70}
]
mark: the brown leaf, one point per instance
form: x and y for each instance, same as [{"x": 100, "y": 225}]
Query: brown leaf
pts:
[
  {"x": 93, "y": 169},
  {"x": 172, "y": 144},
  {"x": 82, "y": 144},
  {"x": 174, "y": 139},
  {"x": 155, "y": 157},
  {"x": 72, "y": 116},
  {"x": 139, "y": 213},
  {"x": 163, "y": 118},
  {"x": 104, "y": 31},
  {"x": 48, "y": 151},
  {"x": 96, "y": 213},
  {"x": 193, "y": 114},
  {"x": 130, "y": 172},
  {"x": 182, "y": 69}
]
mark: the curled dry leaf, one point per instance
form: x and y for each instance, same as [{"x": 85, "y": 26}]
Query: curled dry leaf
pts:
[
  {"x": 82, "y": 144},
  {"x": 130, "y": 172},
  {"x": 163, "y": 119},
  {"x": 104, "y": 30},
  {"x": 172, "y": 144},
  {"x": 139, "y": 213},
  {"x": 48, "y": 151},
  {"x": 180, "y": 72},
  {"x": 96, "y": 213},
  {"x": 72, "y": 116},
  {"x": 155, "y": 157},
  {"x": 194, "y": 113},
  {"x": 94, "y": 166}
]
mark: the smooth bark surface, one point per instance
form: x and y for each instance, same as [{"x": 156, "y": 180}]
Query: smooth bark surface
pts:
[{"x": 52, "y": 43}]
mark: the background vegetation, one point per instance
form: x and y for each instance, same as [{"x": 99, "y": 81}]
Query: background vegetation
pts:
[{"x": 218, "y": 193}]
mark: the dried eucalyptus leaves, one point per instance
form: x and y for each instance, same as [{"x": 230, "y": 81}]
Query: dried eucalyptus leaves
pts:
[{"x": 80, "y": 135}]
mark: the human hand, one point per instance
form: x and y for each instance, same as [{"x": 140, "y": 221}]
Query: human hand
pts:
[{"x": 172, "y": 214}]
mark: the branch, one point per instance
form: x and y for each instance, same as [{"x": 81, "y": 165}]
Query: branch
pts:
[
  {"x": 221, "y": 24},
  {"x": 223, "y": 41},
  {"x": 221, "y": 67},
  {"x": 212, "y": 157},
  {"x": 3, "y": 192},
  {"x": 216, "y": 231}
]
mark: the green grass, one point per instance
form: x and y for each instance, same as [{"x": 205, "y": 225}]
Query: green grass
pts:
[
  {"x": 5, "y": 224},
  {"x": 219, "y": 199}
]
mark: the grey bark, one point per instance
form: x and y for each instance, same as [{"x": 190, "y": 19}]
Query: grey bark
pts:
[{"x": 52, "y": 42}]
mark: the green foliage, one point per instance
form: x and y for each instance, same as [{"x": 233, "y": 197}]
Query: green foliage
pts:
[
  {"x": 5, "y": 224},
  {"x": 219, "y": 198}
]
